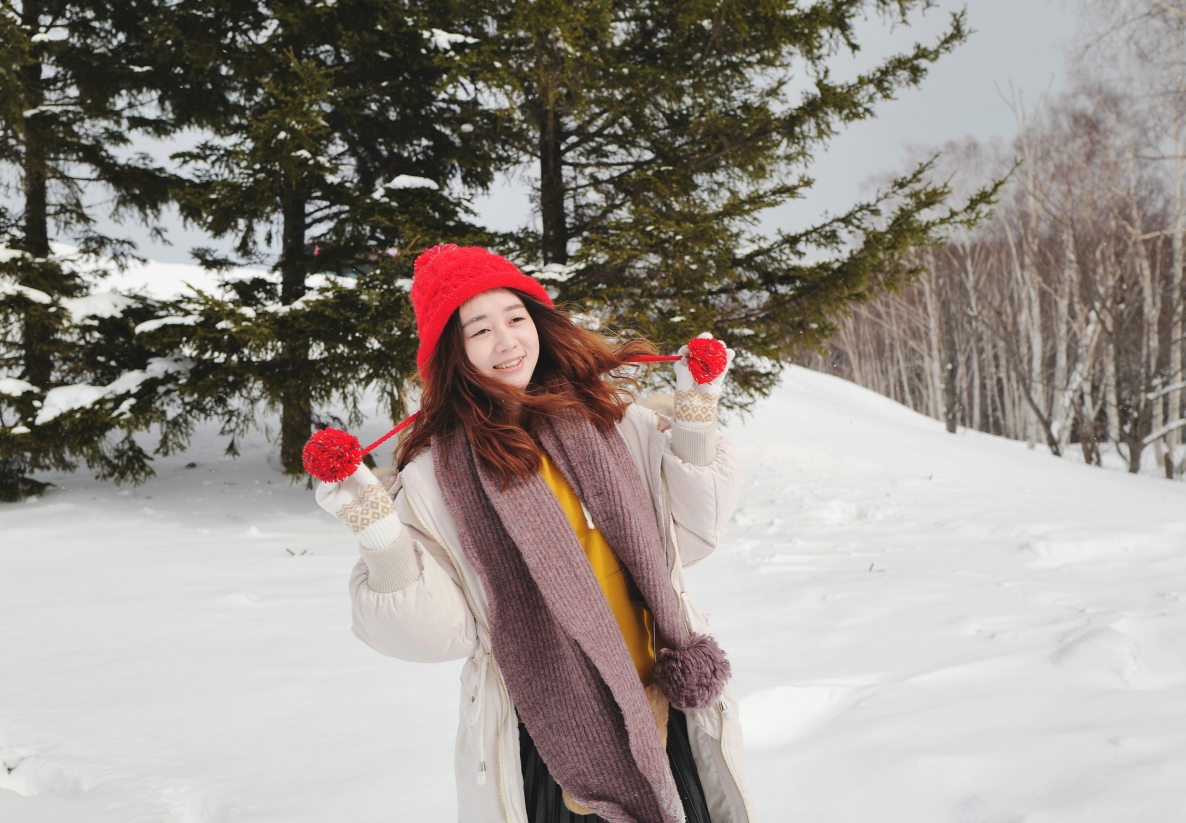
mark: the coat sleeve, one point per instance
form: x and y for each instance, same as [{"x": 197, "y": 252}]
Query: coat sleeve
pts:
[
  {"x": 427, "y": 621},
  {"x": 703, "y": 498}
]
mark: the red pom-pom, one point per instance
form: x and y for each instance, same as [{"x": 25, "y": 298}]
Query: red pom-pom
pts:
[
  {"x": 428, "y": 255},
  {"x": 707, "y": 359},
  {"x": 331, "y": 455}
]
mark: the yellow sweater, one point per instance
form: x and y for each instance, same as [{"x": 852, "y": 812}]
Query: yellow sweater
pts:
[{"x": 634, "y": 619}]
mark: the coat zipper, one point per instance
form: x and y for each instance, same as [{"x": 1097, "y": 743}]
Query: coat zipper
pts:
[
  {"x": 674, "y": 551},
  {"x": 687, "y": 622},
  {"x": 506, "y": 700},
  {"x": 729, "y": 762}
]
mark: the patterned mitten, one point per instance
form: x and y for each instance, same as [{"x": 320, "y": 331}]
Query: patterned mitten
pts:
[
  {"x": 362, "y": 503},
  {"x": 692, "y": 435}
]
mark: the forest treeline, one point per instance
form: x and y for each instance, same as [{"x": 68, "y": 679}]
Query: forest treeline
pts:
[
  {"x": 328, "y": 141},
  {"x": 1058, "y": 321}
]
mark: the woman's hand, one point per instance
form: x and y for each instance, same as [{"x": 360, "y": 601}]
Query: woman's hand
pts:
[
  {"x": 696, "y": 403},
  {"x": 362, "y": 503},
  {"x": 696, "y": 411}
]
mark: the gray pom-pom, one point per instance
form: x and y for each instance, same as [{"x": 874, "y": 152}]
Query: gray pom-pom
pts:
[{"x": 692, "y": 676}]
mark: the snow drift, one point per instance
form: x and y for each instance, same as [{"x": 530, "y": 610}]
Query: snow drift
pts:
[{"x": 923, "y": 627}]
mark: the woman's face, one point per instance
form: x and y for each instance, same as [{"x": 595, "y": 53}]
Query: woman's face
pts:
[{"x": 500, "y": 336}]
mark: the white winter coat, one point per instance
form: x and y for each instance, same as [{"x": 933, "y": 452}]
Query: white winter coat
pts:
[{"x": 444, "y": 616}]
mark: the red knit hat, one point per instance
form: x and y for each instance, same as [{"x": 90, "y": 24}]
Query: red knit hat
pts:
[{"x": 448, "y": 275}]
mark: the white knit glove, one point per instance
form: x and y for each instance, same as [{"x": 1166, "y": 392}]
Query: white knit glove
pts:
[
  {"x": 696, "y": 411},
  {"x": 361, "y": 502}
]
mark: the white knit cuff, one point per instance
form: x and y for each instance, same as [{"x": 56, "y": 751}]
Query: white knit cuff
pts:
[
  {"x": 695, "y": 445},
  {"x": 381, "y": 533},
  {"x": 394, "y": 567}
]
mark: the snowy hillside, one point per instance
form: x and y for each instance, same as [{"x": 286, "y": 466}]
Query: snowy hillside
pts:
[{"x": 923, "y": 628}]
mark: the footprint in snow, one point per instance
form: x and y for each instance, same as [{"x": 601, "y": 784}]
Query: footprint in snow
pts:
[{"x": 1099, "y": 655}]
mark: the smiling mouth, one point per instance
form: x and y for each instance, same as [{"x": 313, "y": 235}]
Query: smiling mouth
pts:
[{"x": 510, "y": 364}]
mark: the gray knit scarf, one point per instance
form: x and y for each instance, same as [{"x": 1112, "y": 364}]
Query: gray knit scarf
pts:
[{"x": 553, "y": 634}]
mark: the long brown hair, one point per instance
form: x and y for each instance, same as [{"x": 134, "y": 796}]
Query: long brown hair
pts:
[{"x": 569, "y": 377}]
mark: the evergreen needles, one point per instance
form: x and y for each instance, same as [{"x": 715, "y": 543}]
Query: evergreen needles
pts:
[
  {"x": 338, "y": 139},
  {"x": 83, "y": 385},
  {"x": 662, "y": 130}
]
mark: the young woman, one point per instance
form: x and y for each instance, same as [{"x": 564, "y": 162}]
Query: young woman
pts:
[{"x": 538, "y": 528}]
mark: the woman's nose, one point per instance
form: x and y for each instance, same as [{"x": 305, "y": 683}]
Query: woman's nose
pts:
[{"x": 503, "y": 339}]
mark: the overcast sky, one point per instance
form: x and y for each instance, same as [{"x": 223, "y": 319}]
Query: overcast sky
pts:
[{"x": 1023, "y": 42}]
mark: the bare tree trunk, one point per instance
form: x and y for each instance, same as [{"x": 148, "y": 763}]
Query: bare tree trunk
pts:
[
  {"x": 934, "y": 358},
  {"x": 950, "y": 364},
  {"x": 1088, "y": 440},
  {"x": 1079, "y": 378},
  {"x": 1023, "y": 344},
  {"x": 1033, "y": 339},
  {"x": 1176, "y": 295},
  {"x": 975, "y": 385},
  {"x": 1111, "y": 393},
  {"x": 1081, "y": 335},
  {"x": 998, "y": 423},
  {"x": 968, "y": 318},
  {"x": 899, "y": 364},
  {"x": 1062, "y": 397},
  {"x": 1147, "y": 412},
  {"x": 1028, "y": 278},
  {"x": 901, "y": 361},
  {"x": 1000, "y": 389}
]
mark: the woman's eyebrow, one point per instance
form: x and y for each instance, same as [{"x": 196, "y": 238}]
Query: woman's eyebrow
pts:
[{"x": 511, "y": 307}]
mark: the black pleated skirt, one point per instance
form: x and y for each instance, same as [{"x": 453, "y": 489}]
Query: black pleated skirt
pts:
[{"x": 545, "y": 802}]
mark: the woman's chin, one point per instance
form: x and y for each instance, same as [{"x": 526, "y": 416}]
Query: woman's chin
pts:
[{"x": 518, "y": 379}]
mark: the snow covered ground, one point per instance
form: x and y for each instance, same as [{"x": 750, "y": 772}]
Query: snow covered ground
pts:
[{"x": 923, "y": 628}]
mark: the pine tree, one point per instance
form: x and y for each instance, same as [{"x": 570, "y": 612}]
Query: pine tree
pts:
[
  {"x": 74, "y": 383},
  {"x": 335, "y": 146},
  {"x": 662, "y": 130}
]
